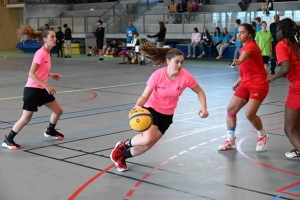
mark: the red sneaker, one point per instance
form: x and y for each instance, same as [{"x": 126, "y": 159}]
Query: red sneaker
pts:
[
  {"x": 121, "y": 165},
  {"x": 119, "y": 149}
]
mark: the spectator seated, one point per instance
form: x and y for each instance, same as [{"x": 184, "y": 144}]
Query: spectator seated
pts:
[{"x": 227, "y": 54}]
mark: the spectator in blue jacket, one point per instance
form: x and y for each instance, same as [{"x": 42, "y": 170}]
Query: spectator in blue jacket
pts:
[
  {"x": 129, "y": 31},
  {"x": 224, "y": 44},
  {"x": 237, "y": 43},
  {"x": 258, "y": 27},
  {"x": 217, "y": 39}
]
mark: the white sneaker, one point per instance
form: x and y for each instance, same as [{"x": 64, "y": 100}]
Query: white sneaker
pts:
[
  {"x": 228, "y": 144},
  {"x": 293, "y": 154},
  {"x": 262, "y": 143},
  {"x": 188, "y": 56},
  {"x": 194, "y": 56}
]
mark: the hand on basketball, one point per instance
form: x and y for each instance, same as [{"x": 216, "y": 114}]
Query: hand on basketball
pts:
[
  {"x": 135, "y": 107},
  {"x": 203, "y": 113},
  {"x": 51, "y": 90},
  {"x": 56, "y": 76}
]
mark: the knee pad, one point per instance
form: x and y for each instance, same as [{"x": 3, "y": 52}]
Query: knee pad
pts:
[{"x": 231, "y": 115}]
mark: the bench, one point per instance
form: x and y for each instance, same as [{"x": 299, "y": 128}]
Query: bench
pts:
[{"x": 228, "y": 53}]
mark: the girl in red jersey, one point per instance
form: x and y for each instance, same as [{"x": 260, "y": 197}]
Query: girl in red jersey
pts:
[
  {"x": 288, "y": 56},
  {"x": 37, "y": 91},
  {"x": 251, "y": 87}
]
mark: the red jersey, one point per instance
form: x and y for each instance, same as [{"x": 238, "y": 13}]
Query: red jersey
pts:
[
  {"x": 252, "y": 70},
  {"x": 285, "y": 53}
]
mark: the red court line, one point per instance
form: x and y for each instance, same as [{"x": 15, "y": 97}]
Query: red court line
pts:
[
  {"x": 282, "y": 190},
  {"x": 138, "y": 184},
  {"x": 147, "y": 175},
  {"x": 89, "y": 182},
  {"x": 130, "y": 193},
  {"x": 258, "y": 162}
]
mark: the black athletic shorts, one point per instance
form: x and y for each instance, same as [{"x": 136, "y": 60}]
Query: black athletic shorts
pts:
[
  {"x": 35, "y": 97},
  {"x": 99, "y": 44},
  {"x": 160, "y": 120},
  {"x": 266, "y": 59}
]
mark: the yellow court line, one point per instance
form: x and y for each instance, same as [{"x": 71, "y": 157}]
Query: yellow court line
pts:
[{"x": 79, "y": 90}]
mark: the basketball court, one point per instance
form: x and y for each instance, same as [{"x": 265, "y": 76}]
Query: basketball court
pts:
[{"x": 184, "y": 164}]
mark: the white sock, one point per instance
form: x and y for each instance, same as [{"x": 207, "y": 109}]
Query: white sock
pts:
[
  {"x": 90, "y": 52},
  {"x": 261, "y": 133},
  {"x": 231, "y": 133}
]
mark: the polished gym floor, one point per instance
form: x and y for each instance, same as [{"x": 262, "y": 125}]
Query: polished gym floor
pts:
[{"x": 184, "y": 164}]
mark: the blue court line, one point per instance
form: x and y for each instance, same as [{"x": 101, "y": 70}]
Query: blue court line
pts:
[
  {"x": 282, "y": 195},
  {"x": 76, "y": 114}
]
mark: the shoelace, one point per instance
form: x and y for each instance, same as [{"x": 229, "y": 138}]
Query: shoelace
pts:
[
  {"x": 260, "y": 141},
  {"x": 121, "y": 150}
]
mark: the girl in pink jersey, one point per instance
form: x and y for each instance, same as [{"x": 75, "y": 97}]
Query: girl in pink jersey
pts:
[
  {"x": 288, "y": 57},
  {"x": 251, "y": 88},
  {"x": 160, "y": 97},
  {"x": 37, "y": 91}
]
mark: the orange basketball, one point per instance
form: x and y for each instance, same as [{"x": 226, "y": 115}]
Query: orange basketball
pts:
[{"x": 140, "y": 119}]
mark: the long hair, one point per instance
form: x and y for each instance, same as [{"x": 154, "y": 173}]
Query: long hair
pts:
[
  {"x": 32, "y": 34},
  {"x": 161, "y": 24},
  {"x": 158, "y": 55},
  {"x": 291, "y": 31},
  {"x": 217, "y": 33},
  {"x": 226, "y": 32}
]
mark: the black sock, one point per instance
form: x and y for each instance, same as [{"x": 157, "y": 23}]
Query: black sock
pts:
[
  {"x": 127, "y": 154},
  {"x": 128, "y": 143},
  {"x": 52, "y": 126},
  {"x": 11, "y": 135}
]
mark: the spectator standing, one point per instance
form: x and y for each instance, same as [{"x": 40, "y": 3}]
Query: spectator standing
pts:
[
  {"x": 264, "y": 40},
  {"x": 224, "y": 44},
  {"x": 68, "y": 39},
  {"x": 269, "y": 6},
  {"x": 181, "y": 8},
  {"x": 171, "y": 11},
  {"x": 99, "y": 34},
  {"x": 129, "y": 31},
  {"x": 195, "y": 9},
  {"x": 59, "y": 41},
  {"x": 238, "y": 44},
  {"x": 258, "y": 27},
  {"x": 204, "y": 41},
  {"x": 194, "y": 42},
  {"x": 217, "y": 39},
  {"x": 273, "y": 30},
  {"x": 160, "y": 35}
]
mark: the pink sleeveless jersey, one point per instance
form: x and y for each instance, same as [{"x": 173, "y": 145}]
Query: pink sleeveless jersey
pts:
[
  {"x": 165, "y": 95},
  {"x": 42, "y": 58}
]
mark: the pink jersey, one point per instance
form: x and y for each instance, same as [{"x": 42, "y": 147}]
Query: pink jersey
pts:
[
  {"x": 166, "y": 93},
  {"x": 42, "y": 58}
]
